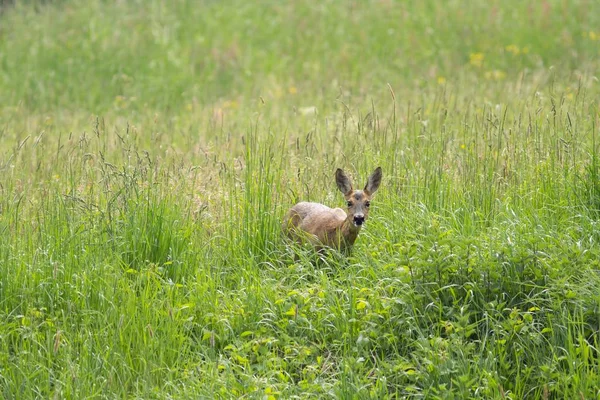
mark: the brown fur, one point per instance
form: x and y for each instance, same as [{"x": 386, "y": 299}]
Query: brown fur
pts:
[{"x": 332, "y": 227}]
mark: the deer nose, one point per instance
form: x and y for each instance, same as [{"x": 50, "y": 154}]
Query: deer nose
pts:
[{"x": 359, "y": 219}]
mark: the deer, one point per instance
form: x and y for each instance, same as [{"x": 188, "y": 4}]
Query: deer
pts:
[{"x": 333, "y": 227}]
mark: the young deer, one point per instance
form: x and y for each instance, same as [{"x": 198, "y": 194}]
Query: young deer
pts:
[{"x": 336, "y": 228}]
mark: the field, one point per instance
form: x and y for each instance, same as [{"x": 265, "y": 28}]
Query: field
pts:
[{"x": 149, "y": 150}]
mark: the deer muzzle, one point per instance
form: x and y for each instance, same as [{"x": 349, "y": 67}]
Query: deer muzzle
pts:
[{"x": 359, "y": 219}]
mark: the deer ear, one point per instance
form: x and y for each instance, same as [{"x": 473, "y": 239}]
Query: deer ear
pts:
[
  {"x": 373, "y": 181},
  {"x": 343, "y": 182}
]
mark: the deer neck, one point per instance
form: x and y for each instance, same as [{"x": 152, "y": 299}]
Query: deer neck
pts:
[{"x": 349, "y": 231}]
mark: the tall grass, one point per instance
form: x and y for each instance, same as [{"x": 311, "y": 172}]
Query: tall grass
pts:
[{"x": 149, "y": 151}]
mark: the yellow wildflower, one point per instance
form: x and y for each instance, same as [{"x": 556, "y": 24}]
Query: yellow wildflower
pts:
[
  {"x": 514, "y": 49},
  {"x": 230, "y": 104},
  {"x": 495, "y": 75},
  {"x": 476, "y": 59}
]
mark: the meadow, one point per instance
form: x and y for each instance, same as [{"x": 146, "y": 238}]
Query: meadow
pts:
[{"x": 149, "y": 150}]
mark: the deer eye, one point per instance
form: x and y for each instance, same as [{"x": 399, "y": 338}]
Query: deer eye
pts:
[
  {"x": 367, "y": 203},
  {"x": 349, "y": 204}
]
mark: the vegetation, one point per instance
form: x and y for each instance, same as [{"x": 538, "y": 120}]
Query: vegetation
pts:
[{"x": 149, "y": 150}]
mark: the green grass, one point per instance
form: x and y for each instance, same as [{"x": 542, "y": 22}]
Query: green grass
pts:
[{"x": 148, "y": 151}]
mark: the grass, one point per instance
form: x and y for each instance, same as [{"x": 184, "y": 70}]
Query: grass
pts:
[{"x": 149, "y": 151}]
